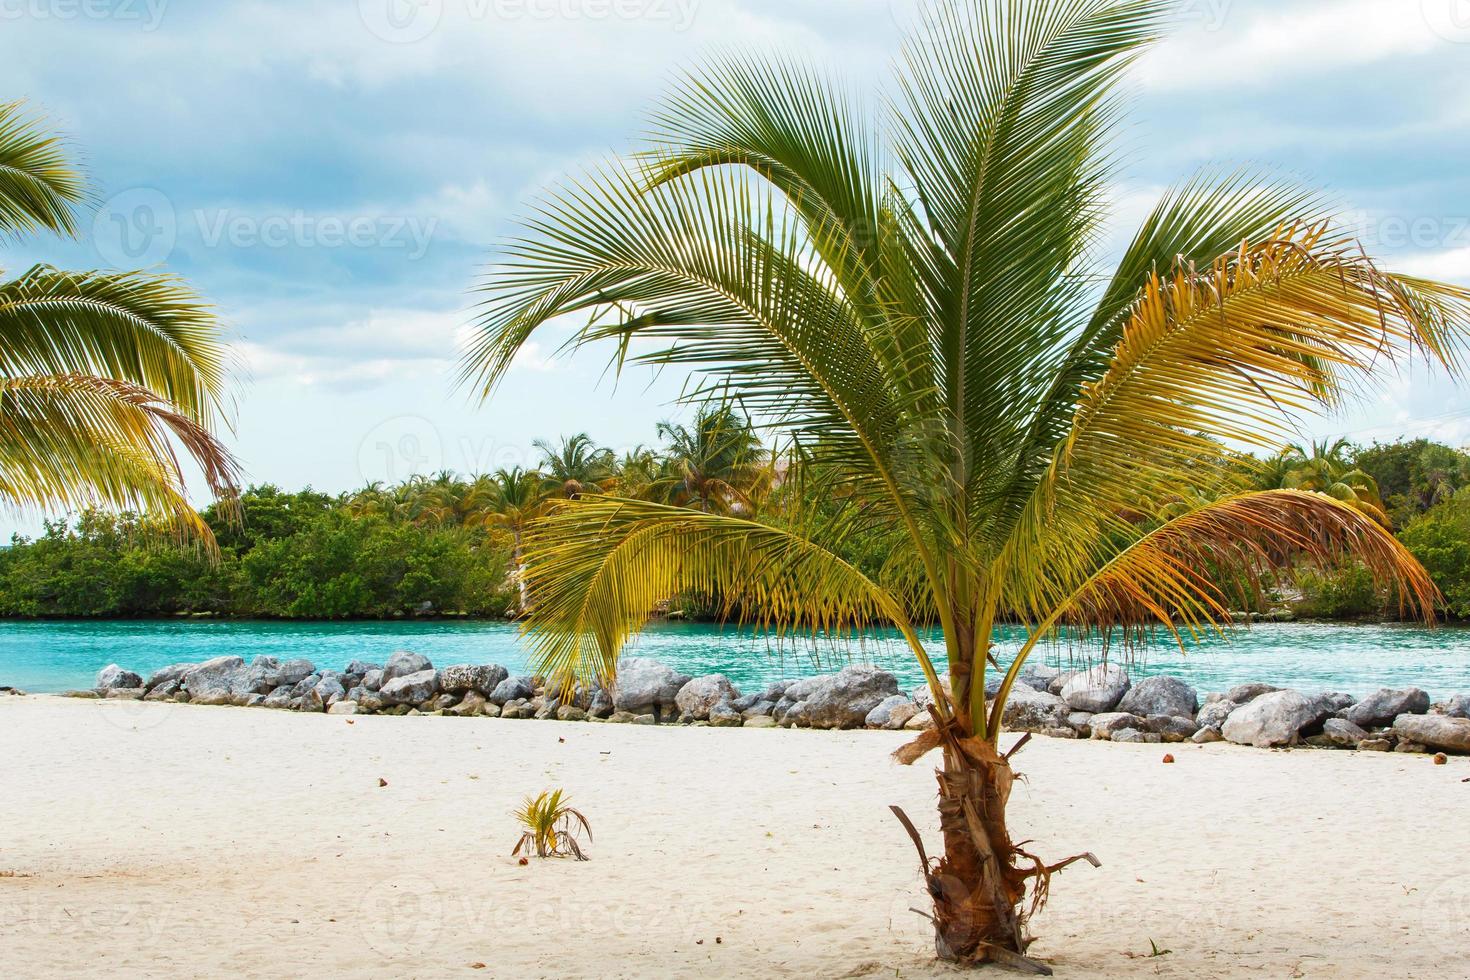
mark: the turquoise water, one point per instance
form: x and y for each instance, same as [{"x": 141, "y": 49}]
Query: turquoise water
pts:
[{"x": 55, "y": 656}]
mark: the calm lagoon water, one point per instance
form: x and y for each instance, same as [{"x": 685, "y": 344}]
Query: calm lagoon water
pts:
[{"x": 55, "y": 656}]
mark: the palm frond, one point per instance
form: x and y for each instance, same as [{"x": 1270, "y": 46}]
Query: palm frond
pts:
[
  {"x": 40, "y": 190},
  {"x": 148, "y": 329}
]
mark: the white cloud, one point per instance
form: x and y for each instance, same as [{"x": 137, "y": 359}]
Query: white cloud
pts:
[{"x": 1218, "y": 44}]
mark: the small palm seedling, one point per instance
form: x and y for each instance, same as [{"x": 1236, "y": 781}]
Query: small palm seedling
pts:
[{"x": 551, "y": 826}]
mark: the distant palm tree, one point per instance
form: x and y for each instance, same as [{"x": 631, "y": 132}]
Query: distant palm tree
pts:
[
  {"x": 643, "y": 475},
  {"x": 519, "y": 499},
  {"x": 1327, "y": 467},
  {"x": 103, "y": 375},
  {"x": 576, "y": 467},
  {"x": 923, "y": 307},
  {"x": 719, "y": 462}
]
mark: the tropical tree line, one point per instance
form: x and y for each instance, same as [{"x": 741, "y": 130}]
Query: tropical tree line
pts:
[{"x": 450, "y": 545}]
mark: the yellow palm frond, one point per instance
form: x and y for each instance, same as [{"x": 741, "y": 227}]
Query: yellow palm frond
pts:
[{"x": 597, "y": 568}]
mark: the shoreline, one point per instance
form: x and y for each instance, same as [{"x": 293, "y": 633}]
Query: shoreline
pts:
[
  {"x": 160, "y": 838},
  {"x": 1101, "y": 703}
]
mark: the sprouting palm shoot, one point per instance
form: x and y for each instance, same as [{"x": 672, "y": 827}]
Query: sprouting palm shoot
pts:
[
  {"x": 915, "y": 296},
  {"x": 552, "y": 827}
]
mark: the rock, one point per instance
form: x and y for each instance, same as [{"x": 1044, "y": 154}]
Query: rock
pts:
[
  {"x": 1459, "y": 706},
  {"x": 1061, "y": 733},
  {"x": 1214, "y": 713},
  {"x": 113, "y": 676},
  {"x": 1173, "y": 728},
  {"x": 1436, "y": 731},
  {"x": 1205, "y": 736},
  {"x": 472, "y": 705},
  {"x": 840, "y": 700},
  {"x": 1060, "y": 681},
  {"x": 1246, "y": 693},
  {"x": 724, "y": 715},
  {"x": 1039, "y": 676},
  {"x": 305, "y": 684},
  {"x": 1384, "y": 705},
  {"x": 403, "y": 663},
  {"x": 279, "y": 698},
  {"x": 323, "y": 694},
  {"x": 602, "y": 704},
  {"x": 162, "y": 692},
  {"x": 513, "y": 689},
  {"x": 294, "y": 671},
  {"x": 373, "y": 680},
  {"x": 696, "y": 698},
  {"x": 1105, "y": 724},
  {"x": 924, "y": 697},
  {"x": 520, "y": 708},
  {"x": 1340, "y": 702},
  {"x": 207, "y": 681},
  {"x": 1411, "y": 748},
  {"x": 125, "y": 693},
  {"x": 543, "y": 707},
  {"x": 1375, "y": 745},
  {"x": 1098, "y": 689},
  {"x": 343, "y": 708},
  {"x": 761, "y": 709},
  {"x": 1034, "y": 711},
  {"x": 87, "y": 695},
  {"x": 261, "y": 677},
  {"x": 1161, "y": 696},
  {"x": 488, "y": 710},
  {"x": 1342, "y": 733},
  {"x": 1274, "y": 718},
  {"x": 646, "y": 686},
  {"x": 414, "y": 688},
  {"x": 892, "y": 713},
  {"x": 1080, "y": 722},
  {"x": 484, "y": 678},
  {"x": 621, "y": 718},
  {"x": 173, "y": 672},
  {"x": 760, "y": 721},
  {"x": 1137, "y": 737},
  {"x": 920, "y": 722},
  {"x": 570, "y": 712},
  {"x": 254, "y": 701},
  {"x": 1211, "y": 697},
  {"x": 362, "y": 667}
]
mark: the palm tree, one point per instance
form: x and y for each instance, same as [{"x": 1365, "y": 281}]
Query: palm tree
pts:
[
  {"x": 916, "y": 299},
  {"x": 578, "y": 466},
  {"x": 719, "y": 462},
  {"x": 520, "y": 498},
  {"x": 1326, "y": 467},
  {"x": 103, "y": 375}
]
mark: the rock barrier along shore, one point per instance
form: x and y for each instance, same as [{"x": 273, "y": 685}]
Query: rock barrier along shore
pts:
[{"x": 1100, "y": 702}]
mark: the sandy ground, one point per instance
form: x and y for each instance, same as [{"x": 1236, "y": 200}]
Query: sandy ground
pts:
[{"x": 170, "y": 840}]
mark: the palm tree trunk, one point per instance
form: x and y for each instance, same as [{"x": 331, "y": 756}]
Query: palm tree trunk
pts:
[
  {"x": 977, "y": 889},
  {"x": 520, "y": 573}
]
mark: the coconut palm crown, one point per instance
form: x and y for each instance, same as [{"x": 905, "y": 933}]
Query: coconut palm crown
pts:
[
  {"x": 105, "y": 375},
  {"x": 917, "y": 296}
]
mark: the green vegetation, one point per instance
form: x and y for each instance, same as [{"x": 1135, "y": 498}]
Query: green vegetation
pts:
[
  {"x": 913, "y": 297},
  {"x": 552, "y": 826},
  {"x": 104, "y": 375}
]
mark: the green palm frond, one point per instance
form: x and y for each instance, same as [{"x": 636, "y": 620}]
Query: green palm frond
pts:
[{"x": 39, "y": 188}]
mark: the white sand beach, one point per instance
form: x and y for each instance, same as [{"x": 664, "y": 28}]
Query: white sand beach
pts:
[{"x": 175, "y": 840}]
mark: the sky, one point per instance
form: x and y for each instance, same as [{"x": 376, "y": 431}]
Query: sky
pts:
[{"x": 334, "y": 174}]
